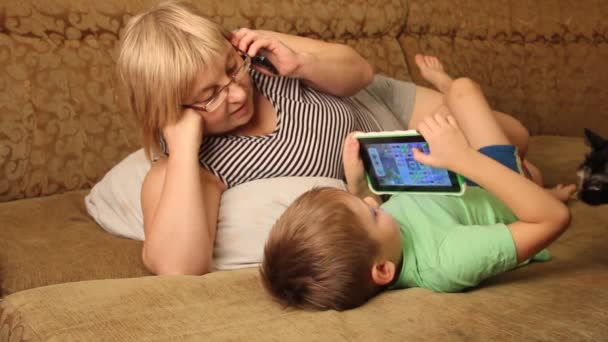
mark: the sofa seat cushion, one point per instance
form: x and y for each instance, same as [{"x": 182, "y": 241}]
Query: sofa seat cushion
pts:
[
  {"x": 52, "y": 240},
  {"x": 562, "y": 300}
]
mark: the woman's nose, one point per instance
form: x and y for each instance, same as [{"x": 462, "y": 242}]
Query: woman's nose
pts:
[{"x": 236, "y": 92}]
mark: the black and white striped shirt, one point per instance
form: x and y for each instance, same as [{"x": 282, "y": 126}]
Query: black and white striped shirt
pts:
[{"x": 307, "y": 142}]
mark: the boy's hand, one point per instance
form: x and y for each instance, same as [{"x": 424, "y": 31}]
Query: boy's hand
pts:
[
  {"x": 447, "y": 144},
  {"x": 353, "y": 167}
]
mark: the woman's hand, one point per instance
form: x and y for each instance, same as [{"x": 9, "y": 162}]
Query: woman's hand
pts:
[
  {"x": 185, "y": 135},
  {"x": 447, "y": 144},
  {"x": 335, "y": 69},
  {"x": 252, "y": 42}
]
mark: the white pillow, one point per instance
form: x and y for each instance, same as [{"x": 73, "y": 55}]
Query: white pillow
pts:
[
  {"x": 114, "y": 202},
  {"x": 247, "y": 211}
]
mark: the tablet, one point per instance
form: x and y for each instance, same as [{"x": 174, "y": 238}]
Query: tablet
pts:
[{"x": 391, "y": 167}]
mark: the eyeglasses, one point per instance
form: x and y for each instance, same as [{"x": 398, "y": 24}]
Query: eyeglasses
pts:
[{"x": 216, "y": 100}]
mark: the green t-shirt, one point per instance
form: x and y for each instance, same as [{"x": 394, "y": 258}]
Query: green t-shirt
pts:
[{"x": 451, "y": 243}]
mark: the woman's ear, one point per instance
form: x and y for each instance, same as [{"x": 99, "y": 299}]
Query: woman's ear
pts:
[{"x": 383, "y": 272}]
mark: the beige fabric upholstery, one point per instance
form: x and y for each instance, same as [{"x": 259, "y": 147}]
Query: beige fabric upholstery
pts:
[
  {"x": 562, "y": 300},
  {"x": 542, "y": 61},
  {"x": 531, "y": 307},
  {"x": 52, "y": 240}
]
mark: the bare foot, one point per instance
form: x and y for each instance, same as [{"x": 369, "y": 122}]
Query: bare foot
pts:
[
  {"x": 563, "y": 192},
  {"x": 432, "y": 71}
]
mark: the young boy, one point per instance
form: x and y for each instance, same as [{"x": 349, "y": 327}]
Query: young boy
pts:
[{"x": 333, "y": 249}]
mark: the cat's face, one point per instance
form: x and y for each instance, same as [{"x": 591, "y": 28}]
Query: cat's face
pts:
[{"x": 593, "y": 172}]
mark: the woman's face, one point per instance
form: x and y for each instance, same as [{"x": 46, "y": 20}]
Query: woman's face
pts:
[{"x": 237, "y": 107}]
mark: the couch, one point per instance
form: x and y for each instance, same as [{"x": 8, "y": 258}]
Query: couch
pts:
[{"x": 64, "y": 123}]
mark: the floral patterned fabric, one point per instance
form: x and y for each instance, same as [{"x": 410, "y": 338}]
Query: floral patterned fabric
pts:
[{"x": 544, "y": 62}]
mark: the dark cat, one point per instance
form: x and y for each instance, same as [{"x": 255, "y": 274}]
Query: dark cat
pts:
[{"x": 593, "y": 172}]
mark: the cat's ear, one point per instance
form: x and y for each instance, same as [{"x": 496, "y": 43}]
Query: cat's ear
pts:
[{"x": 594, "y": 140}]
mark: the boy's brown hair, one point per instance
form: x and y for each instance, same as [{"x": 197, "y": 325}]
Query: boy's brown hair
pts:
[{"x": 318, "y": 255}]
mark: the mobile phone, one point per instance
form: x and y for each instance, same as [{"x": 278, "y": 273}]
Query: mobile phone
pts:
[
  {"x": 263, "y": 62},
  {"x": 391, "y": 168}
]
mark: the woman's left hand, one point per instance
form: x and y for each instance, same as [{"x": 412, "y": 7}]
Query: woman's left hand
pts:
[{"x": 254, "y": 42}]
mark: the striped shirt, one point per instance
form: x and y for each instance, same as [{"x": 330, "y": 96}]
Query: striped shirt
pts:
[{"x": 307, "y": 141}]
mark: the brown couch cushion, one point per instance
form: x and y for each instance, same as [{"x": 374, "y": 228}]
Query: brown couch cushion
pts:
[
  {"x": 52, "y": 240},
  {"x": 561, "y": 300}
]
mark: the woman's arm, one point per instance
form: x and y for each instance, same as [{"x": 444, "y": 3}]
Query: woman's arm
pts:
[
  {"x": 542, "y": 218},
  {"x": 180, "y": 204},
  {"x": 336, "y": 69}
]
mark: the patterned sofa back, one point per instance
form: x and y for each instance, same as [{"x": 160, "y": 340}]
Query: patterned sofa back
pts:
[
  {"x": 64, "y": 121},
  {"x": 545, "y": 62}
]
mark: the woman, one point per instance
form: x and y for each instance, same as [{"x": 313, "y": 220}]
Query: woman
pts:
[{"x": 200, "y": 102}]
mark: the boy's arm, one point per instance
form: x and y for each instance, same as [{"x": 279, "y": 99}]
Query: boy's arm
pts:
[
  {"x": 354, "y": 170},
  {"x": 542, "y": 218}
]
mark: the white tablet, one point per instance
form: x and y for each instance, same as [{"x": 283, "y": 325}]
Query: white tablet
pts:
[{"x": 391, "y": 167}]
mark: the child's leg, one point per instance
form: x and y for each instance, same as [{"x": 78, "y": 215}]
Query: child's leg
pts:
[
  {"x": 466, "y": 103},
  {"x": 473, "y": 114},
  {"x": 517, "y": 134},
  {"x": 428, "y": 101},
  {"x": 432, "y": 69},
  {"x": 534, "y": 172}
]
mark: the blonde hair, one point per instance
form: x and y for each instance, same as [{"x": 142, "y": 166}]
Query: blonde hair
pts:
[
  {"x": 318, "y": 255},
  {"x": 163, "y": 52}
]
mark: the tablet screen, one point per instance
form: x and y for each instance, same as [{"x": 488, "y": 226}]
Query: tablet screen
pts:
[
  {"x": 390, "y": 164},
  {"x": 394, "y": 164}
]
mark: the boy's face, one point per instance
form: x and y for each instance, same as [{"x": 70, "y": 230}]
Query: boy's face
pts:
[{"x": 380, "y": 225}]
